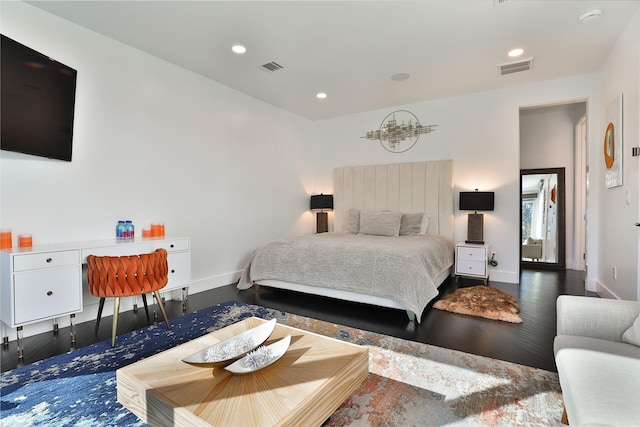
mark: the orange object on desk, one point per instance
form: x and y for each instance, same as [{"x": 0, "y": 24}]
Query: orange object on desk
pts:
[
  {"x": 157, "y": 229},
  {"x": 24, "y": 240},
  {"x": 5, "y": 238},
  {"x": 146, "y": 232}
]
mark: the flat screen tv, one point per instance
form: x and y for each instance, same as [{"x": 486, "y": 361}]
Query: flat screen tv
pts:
[{"x": 37, "y": 102}]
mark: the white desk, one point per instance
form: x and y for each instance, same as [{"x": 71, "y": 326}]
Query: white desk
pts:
[{"x": 45, "y": 281}]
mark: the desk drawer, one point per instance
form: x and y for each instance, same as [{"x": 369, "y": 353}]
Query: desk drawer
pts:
[
  {"x": 171, "y": 245},
  {"x": 45, "y": 260},
  {"x": 179, "y": 270},
  {"x": 122, "y": 249},
  {"x": 42, "y": 294}
]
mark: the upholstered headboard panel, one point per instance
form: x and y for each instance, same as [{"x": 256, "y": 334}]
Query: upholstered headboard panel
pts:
[{"x": 405, "y": 187}]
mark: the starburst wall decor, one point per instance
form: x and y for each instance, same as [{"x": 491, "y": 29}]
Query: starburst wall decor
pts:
[{"x": 399, "y": 131}]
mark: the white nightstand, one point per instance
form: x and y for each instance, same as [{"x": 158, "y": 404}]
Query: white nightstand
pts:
[{"x": 472, "y": 260}]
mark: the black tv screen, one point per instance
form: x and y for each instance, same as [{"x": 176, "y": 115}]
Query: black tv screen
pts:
[{"x": 37, "y": 102}]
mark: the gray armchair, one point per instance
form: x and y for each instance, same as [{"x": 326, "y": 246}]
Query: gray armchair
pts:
[
  {"x": 599, "y": 373},
  {"x": 532, "y": 248}
]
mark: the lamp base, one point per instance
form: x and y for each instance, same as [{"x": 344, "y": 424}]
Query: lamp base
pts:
[
  {"x": 322, "y": 222},
  {"x": 474, "y": 228}
]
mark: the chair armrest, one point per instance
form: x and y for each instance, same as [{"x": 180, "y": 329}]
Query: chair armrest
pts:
[{"x": 601, "y": 318}]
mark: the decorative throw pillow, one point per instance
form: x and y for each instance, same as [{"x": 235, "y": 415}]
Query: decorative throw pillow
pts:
[
  {"x": 632, "y": 335},
  {"x": 411, "y": 224},
  {"x": 424, "y": 226},
  {"x": 354, "y": 221},
  {"x": 380, "y": 223}
]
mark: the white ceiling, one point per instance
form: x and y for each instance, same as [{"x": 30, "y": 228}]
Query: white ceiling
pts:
[{"x": 350, "y": 50}]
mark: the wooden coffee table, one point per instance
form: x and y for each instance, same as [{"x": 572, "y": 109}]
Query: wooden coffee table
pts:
[{"x": 304, "y": 387}]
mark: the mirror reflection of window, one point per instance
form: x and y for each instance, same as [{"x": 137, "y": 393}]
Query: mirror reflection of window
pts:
[{"x": 527, "y": 217}]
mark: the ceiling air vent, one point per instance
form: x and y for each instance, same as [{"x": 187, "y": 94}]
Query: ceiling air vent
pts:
[
  {"x": 272, "y": 66},
  {"x": 515, "y": 66}
]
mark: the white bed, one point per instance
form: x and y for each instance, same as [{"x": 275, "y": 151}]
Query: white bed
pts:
[{"x": 388, "y": 190}]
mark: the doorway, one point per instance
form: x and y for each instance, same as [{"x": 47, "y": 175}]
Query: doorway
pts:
[
  {"x": 543, "y": 218},
  {"x": 554, "y": 136}
]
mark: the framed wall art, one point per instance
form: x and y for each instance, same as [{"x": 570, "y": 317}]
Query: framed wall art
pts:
[{"x": 612, "y": 147}]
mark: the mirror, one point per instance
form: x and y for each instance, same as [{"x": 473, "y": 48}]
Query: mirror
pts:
[{"x": 542, "y": 217}]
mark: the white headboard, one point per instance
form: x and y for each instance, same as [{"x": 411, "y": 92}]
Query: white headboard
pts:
[{"x": 405, "y": 187}]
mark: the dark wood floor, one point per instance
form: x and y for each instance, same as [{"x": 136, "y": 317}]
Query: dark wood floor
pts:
[{"x": 529, "y": 343}]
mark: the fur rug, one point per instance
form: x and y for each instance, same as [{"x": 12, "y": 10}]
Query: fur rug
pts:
[{"x": 482, "y": 301}]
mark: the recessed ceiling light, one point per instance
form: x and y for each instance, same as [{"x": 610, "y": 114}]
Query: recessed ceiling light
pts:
[
  {"x": 515, "y": 52},
  {"x": 590, "y": 15},
  {"x": 321, "y": 95},
  {"x": 239, "y": 49},
  {"x": 399, "y": 77}
]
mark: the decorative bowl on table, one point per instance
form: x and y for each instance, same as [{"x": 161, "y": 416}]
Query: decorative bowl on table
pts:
[
  {"x": 228, "y": 351},
  {"x": 260, "y": 358}
]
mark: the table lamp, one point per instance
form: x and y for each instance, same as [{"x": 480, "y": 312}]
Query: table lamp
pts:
[
  {"x": 321, "y": 202},
  {"x": 476, "y": 201}
]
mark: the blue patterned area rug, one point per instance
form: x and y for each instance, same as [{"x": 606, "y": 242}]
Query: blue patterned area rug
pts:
[{"x": 409, "y": 384}]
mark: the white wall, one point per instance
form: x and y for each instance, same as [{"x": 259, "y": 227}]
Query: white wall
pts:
[
  {"x": 156, "y": 142},
  {"x": 618, "y": 235},
  {"x": 480, "y": 132},
  {"x": 547, "y": 140}
]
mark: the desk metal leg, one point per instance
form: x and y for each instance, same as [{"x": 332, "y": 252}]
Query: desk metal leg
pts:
[
  {"x": 5, "y": 337},
  {"x": 185, "y": 297},
  {"x": 72, "y": 326},
  {"x": 56, "y": 329},
  {"x": 20, "y": 343}
]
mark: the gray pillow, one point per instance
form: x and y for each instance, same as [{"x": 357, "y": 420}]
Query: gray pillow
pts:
[
  {"x": 380, "y": 223},
  {"x": 411, "y": 224},
  {"x": 354, "y": 221}
]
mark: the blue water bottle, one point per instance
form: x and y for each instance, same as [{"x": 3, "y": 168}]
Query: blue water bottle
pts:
[
  {"x": 130, "y": 229},
  {"x": 120, "y": 230}
]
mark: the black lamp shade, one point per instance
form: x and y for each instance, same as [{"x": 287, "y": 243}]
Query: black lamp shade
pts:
[
  {"x": 321, "y": 201},
  {"x": 476, "y": 200}
]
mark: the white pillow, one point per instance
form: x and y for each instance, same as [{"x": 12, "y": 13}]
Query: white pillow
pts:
[
  {"x": 425, "y": 224},
  {"x": 632, "y": 335},
  {"x": 354, "y": 221},
  {"x": 380, "y": 223}
]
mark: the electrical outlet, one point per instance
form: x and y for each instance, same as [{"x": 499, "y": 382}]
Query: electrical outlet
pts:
[
  {"x": 493, "y": 254},
  {"x": 614, "y": 272}
]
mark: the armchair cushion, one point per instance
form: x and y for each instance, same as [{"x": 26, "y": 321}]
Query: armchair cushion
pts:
[
  {"x": 599, "y": 372},
  {"x": 632, "y": 335}
]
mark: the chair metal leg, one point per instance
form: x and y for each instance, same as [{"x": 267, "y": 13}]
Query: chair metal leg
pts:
[
  {"x": 159, "y": 300},
  {"x": 100, "y": 307},
  {"x": 146, "y": 307},
  {"x": 116, "y": 309}
]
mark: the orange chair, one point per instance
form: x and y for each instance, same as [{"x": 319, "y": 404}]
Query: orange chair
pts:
[{"x": 124, "y": 276}]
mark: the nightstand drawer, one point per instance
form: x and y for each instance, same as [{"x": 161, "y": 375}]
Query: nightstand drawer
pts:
[
  {"x": 473, "y": 268},
  {"x": 471, "y": 253}
]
